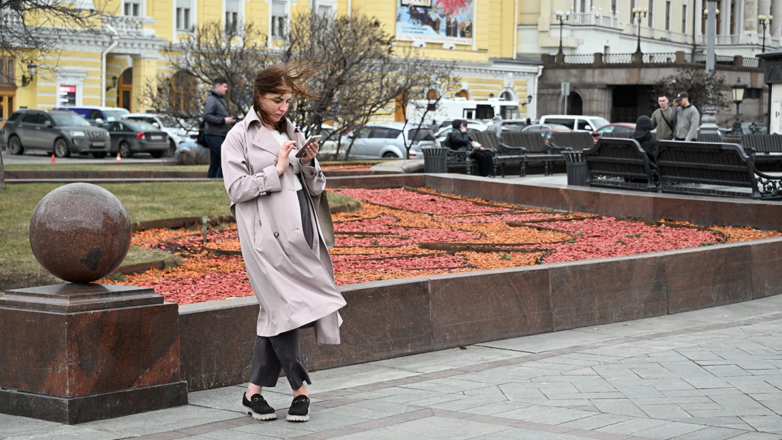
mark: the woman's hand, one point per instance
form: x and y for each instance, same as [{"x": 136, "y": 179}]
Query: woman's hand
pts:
[
  {"x": 463, "y": 129},
  {"x": 312, "y": 151},
  {"x": 283, "y": 157}
]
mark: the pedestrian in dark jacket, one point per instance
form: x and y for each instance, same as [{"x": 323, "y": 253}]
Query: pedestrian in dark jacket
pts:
[
  {"x": 217, "y": 123},
  {"x": 643, "y": 134},
  {"x": 459, "y": 140}
]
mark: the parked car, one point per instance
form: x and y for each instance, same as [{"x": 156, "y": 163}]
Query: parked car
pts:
[
  {"x": 60, "y": 132},
  {"x": 176, "y": 129},
  {"x": 575, "y": 122},
  {"x": 96, "y": 115},
  {"x": 384, "y": 140},
  {"x": 514, "y": 124},
  {"x": 132, "y": 137},
  {"x": 619, "y": 128}
]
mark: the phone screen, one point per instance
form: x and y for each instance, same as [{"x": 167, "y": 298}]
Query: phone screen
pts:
[{"x": 302, "y": 150}]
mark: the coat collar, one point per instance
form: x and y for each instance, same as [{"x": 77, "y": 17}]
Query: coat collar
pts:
[{"x": 264, "y": 138}]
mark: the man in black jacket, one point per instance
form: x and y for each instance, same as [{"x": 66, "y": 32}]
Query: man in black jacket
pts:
[{"x": 217, "y": 123}]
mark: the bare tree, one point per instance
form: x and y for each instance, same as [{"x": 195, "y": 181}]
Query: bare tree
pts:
[
  {"x": 32, "y": 28},
  {"x": 236, "y": 53},
  {"x": 426, "y": 83}
]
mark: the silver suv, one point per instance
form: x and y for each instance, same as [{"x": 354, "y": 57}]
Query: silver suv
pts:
[
  {"x": 60, "y": 132},
  {"x": 384, "y": 140}
]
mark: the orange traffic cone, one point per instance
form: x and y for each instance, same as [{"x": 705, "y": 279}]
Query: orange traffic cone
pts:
[
  {"x": 119, "y": 159},
  {"x": 52, "y": 158}
]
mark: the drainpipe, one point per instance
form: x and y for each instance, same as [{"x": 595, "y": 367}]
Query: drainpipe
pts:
[
  {"x": 536, "y": 97},
  {"x": 515, "y": 27},
  {"x": 114, "y": 43},
  {"x": 350, "y": 7}
]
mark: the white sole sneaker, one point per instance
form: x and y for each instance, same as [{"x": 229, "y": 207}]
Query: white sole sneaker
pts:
[
  {"x": 261, "y": 417},
  {"x": 298, "y": 419}
]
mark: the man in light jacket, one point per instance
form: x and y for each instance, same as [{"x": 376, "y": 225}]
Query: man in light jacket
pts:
[
  {"x": 664, "y": 120},
  {"x": 687, "y": 119},
  {"x": 496, "y": 126},
  {"x": 217, "y": 123}
]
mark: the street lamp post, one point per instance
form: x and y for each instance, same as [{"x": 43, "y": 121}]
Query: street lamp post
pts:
[
  {"x": 561, "y": 17},
  {"x": 764, "y": 21},
  {"x": 738, "y": 96},
  {"x": 639, "y": 14}
]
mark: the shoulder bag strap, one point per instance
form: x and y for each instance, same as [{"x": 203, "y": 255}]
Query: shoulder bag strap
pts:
[{"x": 662, "y": 113}]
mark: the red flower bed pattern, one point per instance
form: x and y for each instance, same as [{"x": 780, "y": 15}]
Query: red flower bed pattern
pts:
[{"x": 406, "y": 233}]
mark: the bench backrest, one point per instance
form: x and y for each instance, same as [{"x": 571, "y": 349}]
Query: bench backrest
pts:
[
  {"x": 486, "y": 139},
  {"x": 762, "y": 143},
  {"x": 533, "y": 142},
  {"x": 577, "y": 140},
  {"x": 512, "y": 139},
  {"x": 705, "y": 163},
  {"x": 618, "y": 157},
  {"x": 709, "y": 137}
]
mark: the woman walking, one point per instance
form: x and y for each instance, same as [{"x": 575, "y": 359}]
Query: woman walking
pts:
[{"x": 286, "y": 258}]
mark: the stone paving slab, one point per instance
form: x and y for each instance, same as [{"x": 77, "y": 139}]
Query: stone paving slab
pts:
[{"x": 709, "y": 374}]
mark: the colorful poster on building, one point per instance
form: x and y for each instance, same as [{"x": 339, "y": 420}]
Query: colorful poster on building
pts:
[{"x": 436, "y": 21}]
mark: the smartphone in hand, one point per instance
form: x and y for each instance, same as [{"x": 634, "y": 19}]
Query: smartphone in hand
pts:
[{"x": 303, "y": 149}]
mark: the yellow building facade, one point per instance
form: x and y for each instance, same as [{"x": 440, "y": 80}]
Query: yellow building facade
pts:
[{"x": 112, "y": 67}]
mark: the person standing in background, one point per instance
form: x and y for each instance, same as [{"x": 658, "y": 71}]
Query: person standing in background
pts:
[
  {"x": 217, "y": 123},
  {"x": 664, "y": 120},
  {"x": 687, "y": 119}
]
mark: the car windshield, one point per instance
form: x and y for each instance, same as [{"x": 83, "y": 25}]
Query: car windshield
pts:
[
  {"x": 69, "y": 120},
  {"x": 598, "y": 122},
  {"x": 115, "y": 115},
  {"x": 140, "y": 126}
]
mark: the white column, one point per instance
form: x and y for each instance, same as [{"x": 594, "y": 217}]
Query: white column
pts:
[
  {"x": 776, "y": 24},
  {"x": 698, "y": 17}
]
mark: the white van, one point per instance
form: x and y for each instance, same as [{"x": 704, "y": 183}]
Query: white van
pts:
[{"x": 575, "y": 122}]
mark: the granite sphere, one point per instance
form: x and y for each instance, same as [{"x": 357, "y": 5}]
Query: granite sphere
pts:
[{"x": 80, "y": 232}]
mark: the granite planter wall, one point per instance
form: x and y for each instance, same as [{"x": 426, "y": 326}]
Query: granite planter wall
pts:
[{"x": 393, "y": 318}]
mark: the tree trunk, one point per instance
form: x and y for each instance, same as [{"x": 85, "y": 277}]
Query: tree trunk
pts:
[{"x": 2, "y": 173}]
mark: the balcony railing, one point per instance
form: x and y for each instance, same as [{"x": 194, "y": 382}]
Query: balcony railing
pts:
[
  {"x": 647, "y": 58},
  {"x": 594, "y": 18},
  {"x": 10, "y": 18},
  {"x": 659, "y": 58},
  {"x": 618, "y": 58},
  {"x": 128, "y": 26},
  {"x": 581, "y": 58}
]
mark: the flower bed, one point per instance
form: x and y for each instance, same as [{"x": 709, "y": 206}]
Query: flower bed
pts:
[{"x": 412, "y": 232}]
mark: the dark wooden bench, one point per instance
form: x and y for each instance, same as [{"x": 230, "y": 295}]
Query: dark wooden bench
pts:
[
  {"x": 571, "y": 141},
  {"x": 712, "y": 138},
  {"x": 536, "y": 150},
  {"x": 764, "y": 149},
  {"x": 619, "y": 163},
  {"x": 685, "y": 167},
  {"x": 615, "y": 135},
  {"x": 458, "y": 159},
  {"x": 503, "y": 154}
]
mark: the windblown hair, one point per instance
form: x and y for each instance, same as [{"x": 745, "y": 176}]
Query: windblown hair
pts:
[{"x": 281, "y": 79}]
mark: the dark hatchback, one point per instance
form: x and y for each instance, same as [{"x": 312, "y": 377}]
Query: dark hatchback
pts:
[
  {"x": 132, "y": 137},
  {"x": 60, "y": 132}
]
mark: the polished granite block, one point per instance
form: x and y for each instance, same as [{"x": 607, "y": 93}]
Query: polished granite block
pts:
[
  {"x": 381, "y": 320},
  {"x": 65, "y": 347},
  {"x": 615, "y": 204},
  {"x": 209, "y": 361},
  {"x": 708, "y": 277},
  {"x": 693, "y": 210},
  {"x": 766, "y": 263},
  {"x": 500, "y": 304},
  {"x": 592, "y": 292}
]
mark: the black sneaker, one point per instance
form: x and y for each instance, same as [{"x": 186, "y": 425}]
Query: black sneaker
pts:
[
  {"x": 258, "y": 408},
  {"x": 300, "y": 409}
]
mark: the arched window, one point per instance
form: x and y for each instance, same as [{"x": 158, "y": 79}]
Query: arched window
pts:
[
  {"x": 431, "y": 94},
  {"x": 463, "y": 94},
  {"x": 506, "y": 96}
]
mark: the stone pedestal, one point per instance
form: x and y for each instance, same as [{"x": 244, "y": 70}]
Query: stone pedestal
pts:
[{"x": 73, "y": 353}]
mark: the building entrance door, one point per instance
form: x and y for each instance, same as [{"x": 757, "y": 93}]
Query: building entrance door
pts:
[{"x": 125, "y": 90}]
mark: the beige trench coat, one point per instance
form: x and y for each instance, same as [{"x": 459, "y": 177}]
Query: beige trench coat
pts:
[{"x": 293, "y": 283}]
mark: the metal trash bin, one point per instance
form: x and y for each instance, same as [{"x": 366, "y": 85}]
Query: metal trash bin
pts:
[
  {"x": 435, "y": 160},
  {"x": 576, "y": 167}
]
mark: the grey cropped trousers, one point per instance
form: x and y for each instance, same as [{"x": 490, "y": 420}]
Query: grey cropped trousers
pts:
[{"x": 283, "y": 351}]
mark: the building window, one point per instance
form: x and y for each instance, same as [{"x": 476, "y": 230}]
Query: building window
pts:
[
  {"x": 132, "y": 8},
  {"x": 632, "y": 6},
  {"x": 668, "y": 15},
  {"x": 67, "y": 95},
  {"x": 684, "y": 19},
  {"x": 325, "y": 11},
  {"x": 613, "y": 6},
  {"x": 651, "y": 14},
  {"x": 279, "y": 20},
  {"x": 231, "y": 15},
  {"x": 183, "y": 15},
  {"x": 6, "y": 70}
]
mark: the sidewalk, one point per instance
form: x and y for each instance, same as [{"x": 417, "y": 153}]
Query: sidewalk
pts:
[{"x": 708, "y": 374}]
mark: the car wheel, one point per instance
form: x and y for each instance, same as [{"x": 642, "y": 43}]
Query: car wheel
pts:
[
  {"x": 390, "y": 155},
  {"x": 124, "y": 149},
  {"x": 171, "y": 148},
  {"x": 15, "y": 145},
  {"x": 99, "y": 155},
  {"x": 61, "y": 148}
]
